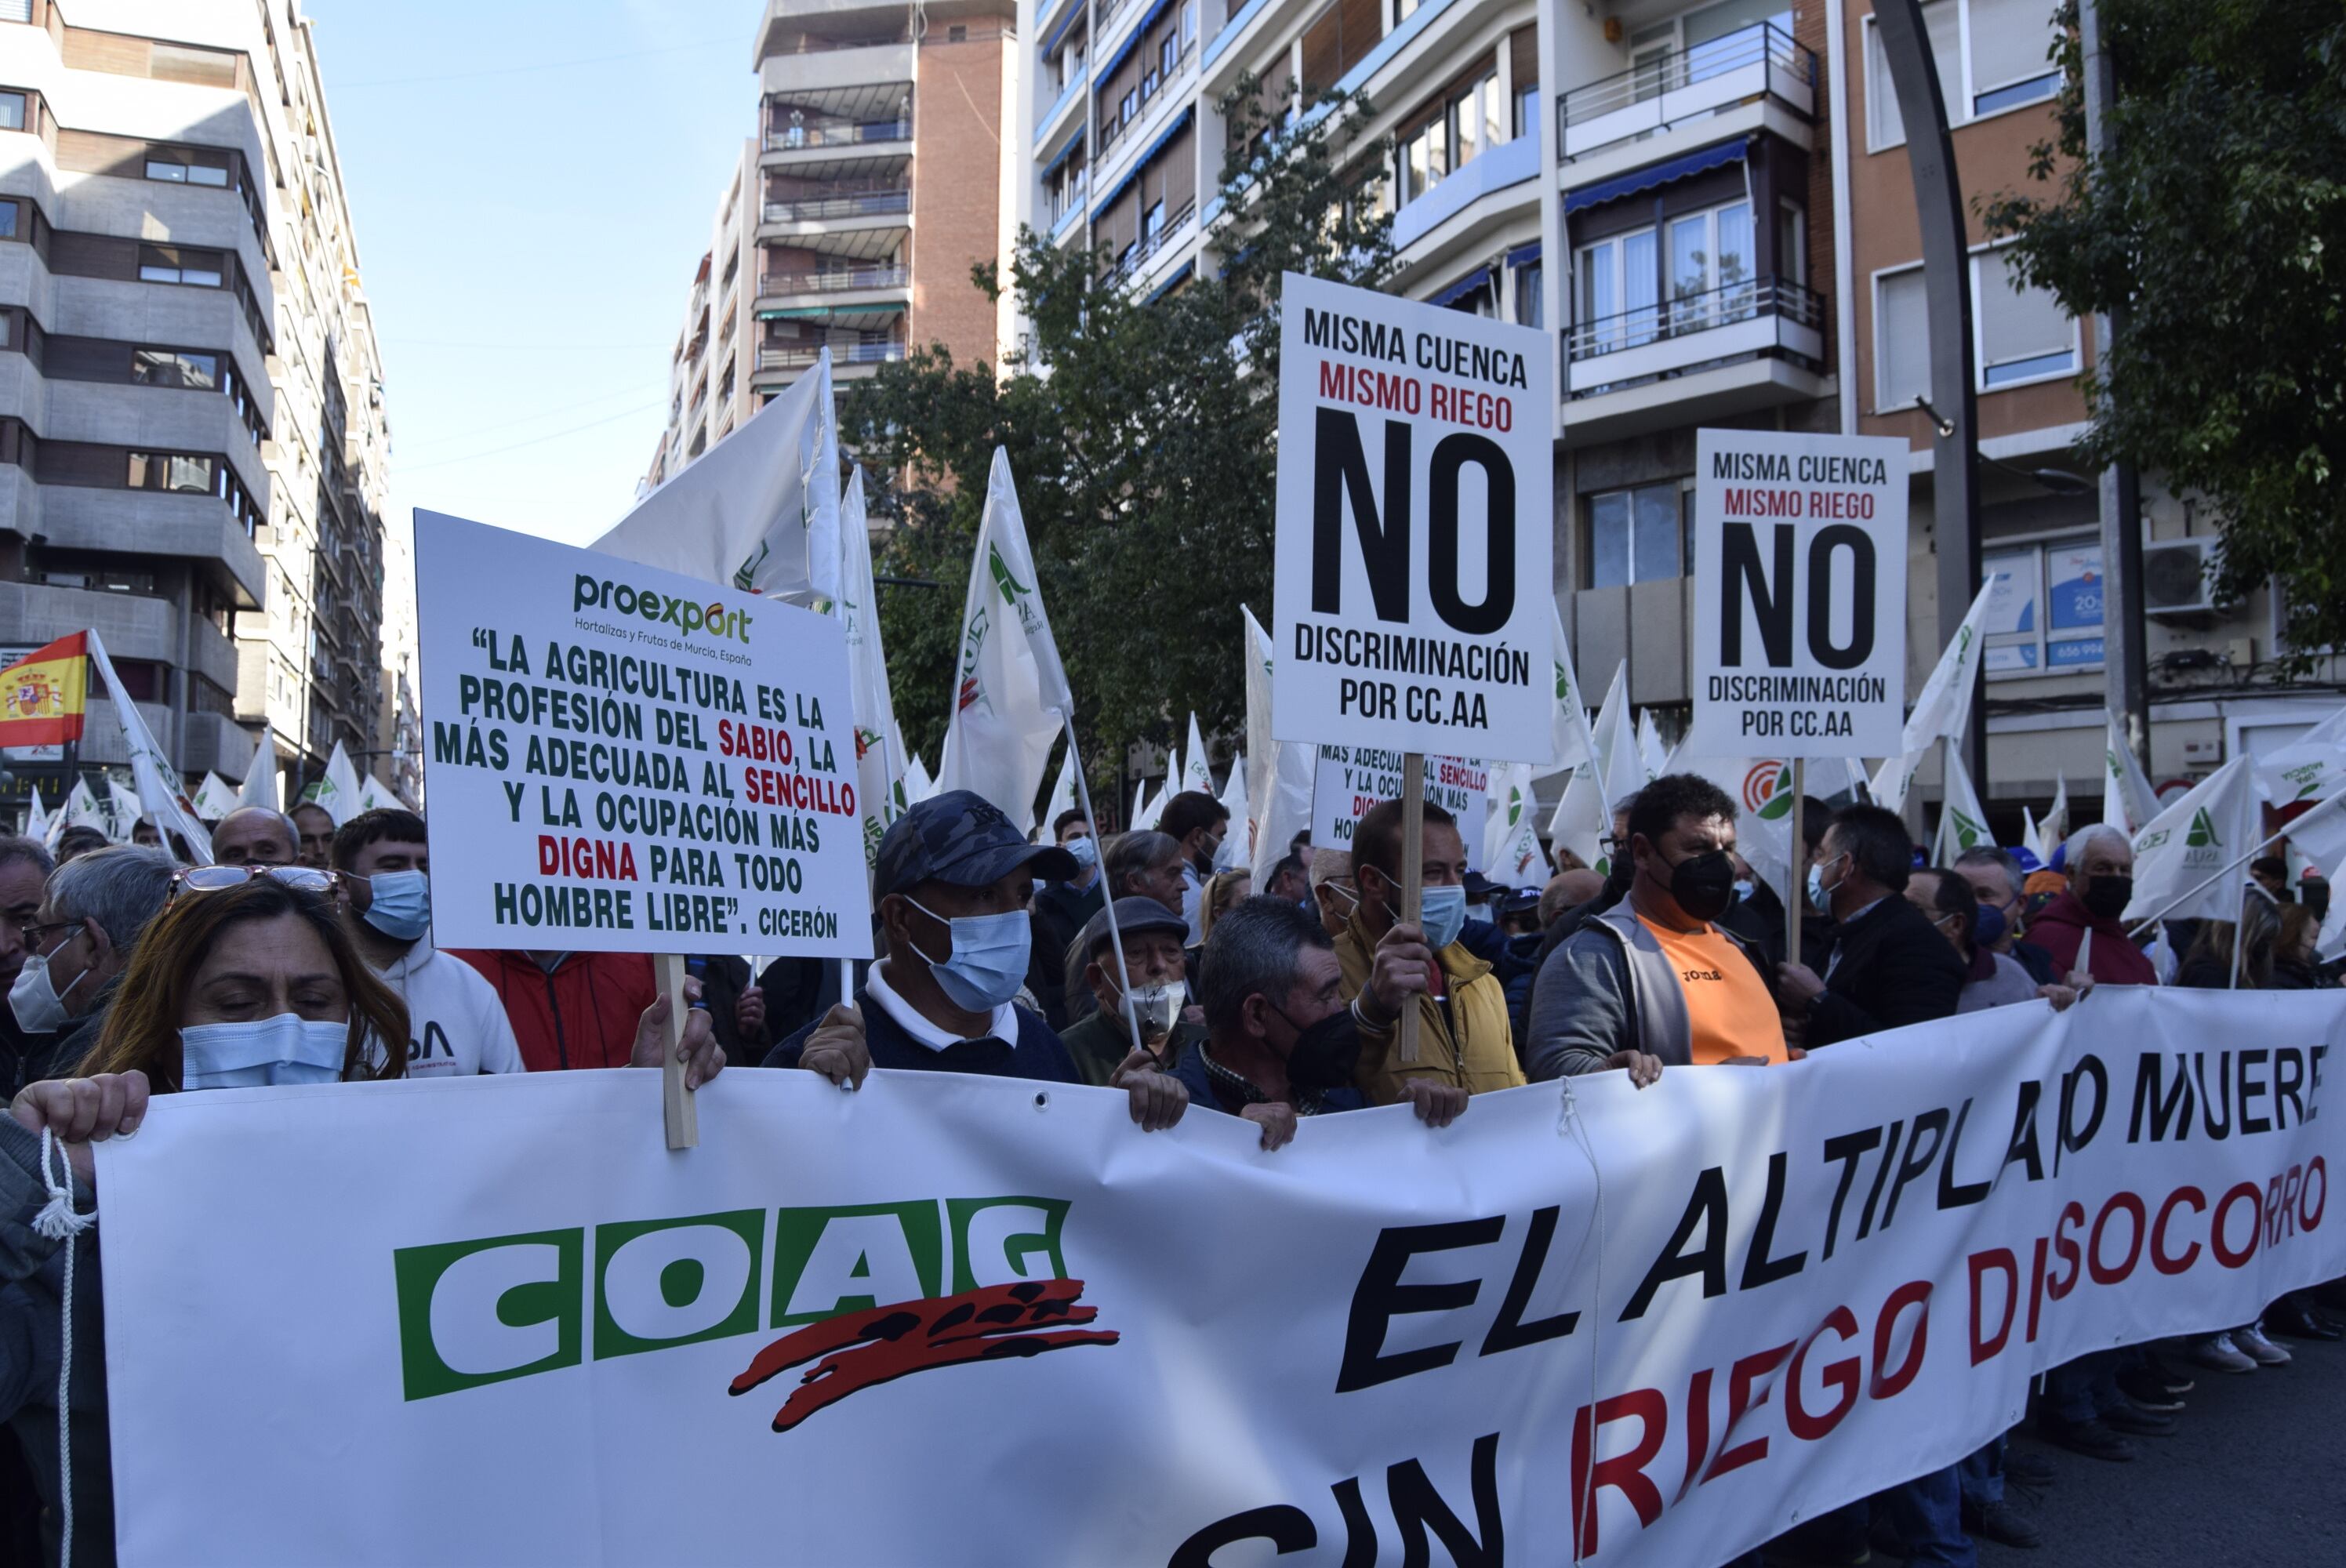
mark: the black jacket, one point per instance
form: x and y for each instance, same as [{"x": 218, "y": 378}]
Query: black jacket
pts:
[
  {"x": 1058, "y": 917},
  {"x": 1891, "y": 968}
]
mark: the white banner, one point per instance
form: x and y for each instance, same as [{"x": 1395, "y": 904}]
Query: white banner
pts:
[
  {"x": 1413, "y": 569},
  {"x": 623, "y": 760},
  {"x": 1352, "y": 778},
  {"x": 1799, "y": 594},
  {"x": 1764, "y": 1293}
]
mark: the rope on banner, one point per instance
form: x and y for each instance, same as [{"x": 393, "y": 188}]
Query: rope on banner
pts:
[
  {"x": 1576, "y": 1130},
  {"x": 60, "y": 1222}
]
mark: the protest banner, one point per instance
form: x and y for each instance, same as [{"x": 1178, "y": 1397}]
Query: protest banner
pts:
[
  {"x": 623, "y": 760},
  {"x": 1657, "y": 1327},
  {"x": 1799, "y": 594},
  {"x": 1349, "y": 779}
]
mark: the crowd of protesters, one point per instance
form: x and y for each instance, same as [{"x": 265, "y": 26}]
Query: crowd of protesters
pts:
[{"x": 304, "y": 955}]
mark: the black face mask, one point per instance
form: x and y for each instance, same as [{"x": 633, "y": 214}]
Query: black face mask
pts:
[
  {"x": 1704, "y": 884},
  {"x": 2106, "y": 897},
  {"x": 1324, "y": 1054}
]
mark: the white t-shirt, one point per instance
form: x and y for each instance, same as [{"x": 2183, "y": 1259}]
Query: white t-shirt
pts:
[{"x": 458, "y": 1027}]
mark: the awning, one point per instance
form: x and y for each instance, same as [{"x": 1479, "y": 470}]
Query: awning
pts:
[
  {"x": 1107, "y": 68},
  {"x": 1060, "y": 157},
  {"x": 1523, "y": 255},
  {"x": 1464, "y": 287},
  {"x": 1656, "y": 173},
  {"x": 1133, "y": 173},
  {"x": 1074, "y": 13},
  {"x": 1179, "y": 272}
]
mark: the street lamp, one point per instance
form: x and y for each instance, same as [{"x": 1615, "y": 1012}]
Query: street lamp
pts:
[{"x": 2058, "y": 481}]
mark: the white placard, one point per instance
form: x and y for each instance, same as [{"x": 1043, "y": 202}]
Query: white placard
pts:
[
  {"x": 1799, "y": 594},
  {"x": 624, "y": 760},
  {"x": 1413, "y": 587},
  {"x": 1349, "y": 779}
]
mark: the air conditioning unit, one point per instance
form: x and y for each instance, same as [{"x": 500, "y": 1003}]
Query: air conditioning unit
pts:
[{"x": 2175, "y": 577}]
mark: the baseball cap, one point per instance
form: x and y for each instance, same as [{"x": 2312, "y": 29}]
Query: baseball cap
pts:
[
  {"x": 961, "y": 839},
  {"x": 1479, "y": 886},
  {"x": 1132, "y": 915}
]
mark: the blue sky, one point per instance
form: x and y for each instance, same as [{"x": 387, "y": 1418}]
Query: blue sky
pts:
[{"x": 532, "y": 186}]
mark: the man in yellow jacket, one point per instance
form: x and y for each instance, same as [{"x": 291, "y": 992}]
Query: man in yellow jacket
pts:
[{"x": 1463, "y": 1036}]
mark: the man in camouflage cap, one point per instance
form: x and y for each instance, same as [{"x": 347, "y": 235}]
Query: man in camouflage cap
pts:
[{"x": 951, "y": 886}]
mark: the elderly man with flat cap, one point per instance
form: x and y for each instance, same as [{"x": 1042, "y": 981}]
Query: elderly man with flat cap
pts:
[
  {"x": 951, "y": 886},
  {"x": 1154, "y": 963}
]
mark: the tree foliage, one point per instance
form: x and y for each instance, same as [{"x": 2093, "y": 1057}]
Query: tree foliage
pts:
[
  {"x": 1142, "y": 435},
  {"x": 2218, "y": 225}
]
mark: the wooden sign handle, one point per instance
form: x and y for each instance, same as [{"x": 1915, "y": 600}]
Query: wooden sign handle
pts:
[
  {"x": 1412, "y": 877},
  {"x": 677, "y": 1109},
  {"x": 1796, "y": 874}
]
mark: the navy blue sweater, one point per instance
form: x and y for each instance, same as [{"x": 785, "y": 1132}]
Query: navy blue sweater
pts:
[{"x": 1040, "y": 1053}]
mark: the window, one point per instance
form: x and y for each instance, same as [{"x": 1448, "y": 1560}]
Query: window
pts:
[
  {"x": 1901, "y": 340},
  {"x": 1152, "y": 224},
  {"x": 2045, "y": 612},
  {"x": 1635, "y": 536},
  {"x": 1423, "y": 158},
  {"x": 1468, "y": 122},
  {"x": 2023, "y": 334},
  {"x": 1188, "y": 23},
  {"x": 1992, "y": 55},
  {"x": 169, "y": 264},
  {"x": 178, "y": 173},
  {"x": 1617, "y": 292},
  {"x": 12, "y": 111},
  {"x": 1791, "y": 243},
  {"x": 174, "y": 368},
  {"x": 1711, "y": 268},
  {"x": 188, "y": 475},
  {"x": 7, "y": 220},
  {"x": 1131, "y": 106},
  {"x": 1168, "y": 54},
  {"x": 1530, "y": 282},
  {"x": 1526, "y": 110}
]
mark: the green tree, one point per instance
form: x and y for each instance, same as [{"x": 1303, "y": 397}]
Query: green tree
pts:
[
  {"x": 2217, "y": 225},
  {"x": 1142, "y": 434}
]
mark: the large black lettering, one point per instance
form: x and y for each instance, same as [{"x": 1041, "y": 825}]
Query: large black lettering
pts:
[
  {"x": 1509, "y": 1331},
  {"x": 1744, "y": 576},
  {"x": 1452, "y": 453},
  {"x": 1340, "y": 472},
  {"x": 1380, "y": 1296},
  {"x": 1821, "y": 546},
  {"x": 1707, "y": 1208},
  {"x": 1417, "y": 1505},
  {"x": 1287, "y": 1527}
]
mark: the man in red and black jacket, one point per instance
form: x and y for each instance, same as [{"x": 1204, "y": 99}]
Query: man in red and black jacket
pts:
[{"x": 570, "y": 1009}]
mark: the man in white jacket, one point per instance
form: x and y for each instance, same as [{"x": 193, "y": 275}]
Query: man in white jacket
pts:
[{"x": 457, "y": 1026}]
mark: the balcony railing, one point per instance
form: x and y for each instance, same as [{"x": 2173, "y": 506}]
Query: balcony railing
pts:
[
  {"x": 1692, "y": 313},
  {"x": 1656, "y": 94},
  {"x": 799, "y": 359},
  {"x": 830, "y": 282},
  {"x": 836, "y": 133},
  {"x": 803, "y": 45},
  {"x": 856, "y": 204},
  {"x": 1765, "y": 318},
  {"x": 1112, "y": 130},
  {"x": 1137, "y": 255}
]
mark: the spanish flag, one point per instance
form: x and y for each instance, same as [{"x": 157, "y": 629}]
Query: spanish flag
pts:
[{"x": 42, "y": 696}]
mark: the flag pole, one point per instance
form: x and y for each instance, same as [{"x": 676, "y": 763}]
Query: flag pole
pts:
[
  {"x": 1412, "y": 880},
  {"x": 2239, "y": 940},
  {"x": 1796, "y": 870},
  {"x": 1107, "y": 894},
  {"x": 2149, "y": 920}
]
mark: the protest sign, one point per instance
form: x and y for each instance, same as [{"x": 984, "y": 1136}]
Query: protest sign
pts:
[
  {"x": 624, "y": 760},
  {"x": 1799, "y": 594},
  {"x": 1413, "y": 551},
  {"x": 1753, "y": 1295},
  {"x": 1352, "y": 778}
]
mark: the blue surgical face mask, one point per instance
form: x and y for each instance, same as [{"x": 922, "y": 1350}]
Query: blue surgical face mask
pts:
[
  {"x": 1742, "y": 888},
  {"x": 1479, "y": 913},
  {"x": 1085, "y": 850},
  {"x": 989, "y": 961},
  {"x": 1442, "y": 912},
  {"x": 401, "y": 908},
  {"x": 1820, "y": 895},
  {"x": 286, "y": 1049}
]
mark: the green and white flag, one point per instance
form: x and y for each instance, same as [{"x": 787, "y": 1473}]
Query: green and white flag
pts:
[
  {"x": 1280, "y": 774},
  {"x": 2311, "y": 768},
  {"x": 1195, "y": 772},
  {"x": 1943, "y": 711},
  {"x": 261, "y": 785},
  {"x": 122, "y": 810},
  {"x": 160, "y": 794},
  {"x": 82, "y": 809},
  {"x": 2203, "y": 837},
  {"x": 214, "y": 799},
  {"x": 1618, "y": 765},
  {"x": 36, "y": 820},
  {"x": 1582, "y": 819},
  {"x": 2127, "y": 800},
  {"x": 1961, "y": 824},
  {"x": 1063, "y": 799},
  {"x": 1575, "y": 745},
  {"x": 1511, "y": 852},
  {"x": 337, "y": 792},
  {"x": 1011, "y": 699}
]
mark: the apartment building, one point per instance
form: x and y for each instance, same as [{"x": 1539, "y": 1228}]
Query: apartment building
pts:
[
  {"x": 1708, "y": 207},
  {"x": 192, "y": 438},
  {"x": 872, "y": 184}
]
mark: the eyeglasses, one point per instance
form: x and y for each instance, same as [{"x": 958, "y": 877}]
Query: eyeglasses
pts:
[
  {"x": 37, "y": 933},
  {"x": 220, "y": 878}
]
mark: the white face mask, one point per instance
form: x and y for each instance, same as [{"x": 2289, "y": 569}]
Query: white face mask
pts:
[
  {"x": 1155, "y": 1007},
  {"x": 34, "y": 997},
  {"x": 251, "y": 1053}
]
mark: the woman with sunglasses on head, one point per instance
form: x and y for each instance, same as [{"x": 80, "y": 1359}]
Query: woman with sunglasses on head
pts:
[{"x": 248, "y": 978}]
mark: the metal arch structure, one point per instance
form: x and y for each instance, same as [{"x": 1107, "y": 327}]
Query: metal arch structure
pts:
[{"x": 1946, "y": 288}]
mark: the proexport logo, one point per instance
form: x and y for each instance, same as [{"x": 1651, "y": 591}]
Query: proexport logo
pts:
[
  {"x": 973, "y": 1274},
  {"x": 590, "y": 591}
]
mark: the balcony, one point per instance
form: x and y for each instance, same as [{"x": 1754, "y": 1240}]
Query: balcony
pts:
[
  {"x": 837, "y": 133},
  {"x": 805, "y": 65},
  {"x": 1752, "y": 64},
  {"x": 802, "y": 356},
  {"x": 1047, "y": 128},
  {"x": 849, "y": 280},
  {"x": 1134, "y": 264},
  {"x": 1729, "y": 350},
  {"x": 835, "y": 209}
]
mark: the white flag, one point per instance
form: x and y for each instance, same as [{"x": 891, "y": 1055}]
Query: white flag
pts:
[
  {"x": 1582, "y": 819},
  {"x": 1942, "y": 711},
  {"x": 1620, "y": 769},
  {"x": 2198, "y": 839},
  {"x": 1136, "y": 824},
  {"x": 2320, "y": 835},
  {"x": 2056, "y": 825},
  {"x": 261, "y": 786},
  {"x": 1279, "y": 786},
  {"x": 374, "y": 795},
  {"x": 1651, "y": 754},
  {"x": 122, "y": 810},
  {"x": 214, "y": 799},
  {"x": 1895, "y": 778},
  {"x": 1013, "y": 700},
  {"x": 1197, "y": 773},
  {"x": 2032, "y": 836},
  {"x": 1961, "y": 824},
  {"x": 918, "y": 785},
  {"x": 1575, "y": 745},
  {"x": 759, "y": 510},
  {"x": 160, "y": 794},
  {"x": 1232, "y": 853},
  {"x": 82, "y": 809},
  {"x": 2127, "y": 800},
  {"x": 1063, "y": 797},
  {"x": 1151, "y": 806},
  {"x": 337, "y": 792},
  {"x": 2311, "y": 768},
  {"x": 1511, "y": 854},
  {"x": 36, "y": 820},
  {"x": 880, "y": 796}
]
